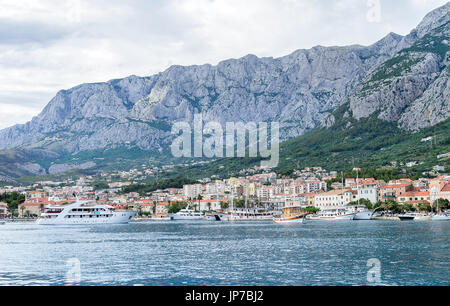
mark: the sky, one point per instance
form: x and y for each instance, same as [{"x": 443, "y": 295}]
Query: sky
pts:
[{"x": 49, "y": 45}]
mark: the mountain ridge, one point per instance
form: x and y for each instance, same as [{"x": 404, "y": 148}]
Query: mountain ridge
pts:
[{"x": 398, "y": 78}]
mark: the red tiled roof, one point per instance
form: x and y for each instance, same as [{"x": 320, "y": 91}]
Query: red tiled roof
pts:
[
  {"x": 416, "y": 194},
  {"x": 396, "y": 186},
  {"x": 446, "y": 187}
]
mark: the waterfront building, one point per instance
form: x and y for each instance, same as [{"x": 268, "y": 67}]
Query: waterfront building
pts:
[
  {"x": 393, "y": 191},
  {"x": 439, "y": 188},
  {"x": 334, "y": 199},
  {"x": 415, "y": 198},
  {"x": 162, "y": 208},
  {"x": 3, "y": 209},
  {"x": 32, "y": 208},
  {"x": 367, "y": 189}
]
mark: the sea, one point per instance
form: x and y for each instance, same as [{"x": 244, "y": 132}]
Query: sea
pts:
[{"x": 202, "y": 253}]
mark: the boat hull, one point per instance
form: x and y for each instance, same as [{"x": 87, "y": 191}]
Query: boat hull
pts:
[
  {"x": 364, "y": 216},
  {"x": 192, "y": 218},
  {"x": 406, "y": 218},
  {"x": 289, "y": 220},
  {"x": 332, "y": 218},
  {"x": 440, "y": 218}
]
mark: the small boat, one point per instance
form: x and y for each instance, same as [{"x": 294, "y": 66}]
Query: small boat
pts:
[
  {"x": 2, "y": 222},
  {"x": 338, "y": 214},
  {"x": 212, "y": 217},
  {"x": 441, "y": 217},
  {"x": 188, "y": 214},
  {"x": 364, "y": 215},
  {"x": 291, "y": 215},
  {"x": 407, "y": 217}
]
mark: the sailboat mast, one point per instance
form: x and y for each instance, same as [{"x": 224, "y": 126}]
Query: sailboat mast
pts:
[{"x": 357, "y": 184}]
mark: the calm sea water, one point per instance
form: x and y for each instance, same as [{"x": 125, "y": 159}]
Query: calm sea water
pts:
[{"x": 202, "y": 253}]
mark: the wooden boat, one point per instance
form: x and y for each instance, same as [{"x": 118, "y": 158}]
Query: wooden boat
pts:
[{"x": 290, "y": 215}]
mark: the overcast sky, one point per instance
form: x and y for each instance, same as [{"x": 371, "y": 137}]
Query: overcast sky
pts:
[{"x": 48, "y": 45}]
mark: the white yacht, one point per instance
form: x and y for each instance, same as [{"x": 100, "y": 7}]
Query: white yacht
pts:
[
  {"x": 188, "y": 214},
  {"x": 84, "y": 212},
  {"x": 333, "y": 214}
]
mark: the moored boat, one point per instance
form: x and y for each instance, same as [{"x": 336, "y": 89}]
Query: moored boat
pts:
[
  {"x": 84, "y": 212},
  {"x": 188, "y": 214},
  {"x": 337, "y": 214},
  {"x": 291, "y": 215},
  {"x": 249, "y": 214},
  {"x": 407, "y": 217},
  {"x": 441, "y": 217},
  {"x": 364, "y": 215}
]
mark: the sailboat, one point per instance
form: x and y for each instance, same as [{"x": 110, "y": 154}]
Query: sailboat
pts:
[{"x": 440, "y": 216}]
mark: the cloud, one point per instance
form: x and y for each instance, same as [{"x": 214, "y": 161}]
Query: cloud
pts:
[{"x": 48, "y": 45}]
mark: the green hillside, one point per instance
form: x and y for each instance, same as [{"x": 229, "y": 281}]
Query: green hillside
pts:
[{"x": 368, "y": 143}]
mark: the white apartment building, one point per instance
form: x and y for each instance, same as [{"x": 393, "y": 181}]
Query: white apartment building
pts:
[
  {"x": 313, "y": 186},
  {"x": 333, "y": 199},
  {"x": 267, "y": 192},
  {"x": 192, "y": 191},
  {"x": 368, "y": 191}
]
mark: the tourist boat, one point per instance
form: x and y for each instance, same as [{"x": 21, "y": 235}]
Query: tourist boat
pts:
[
  {"x": 188, "y": 214},
  {"x": 441, "y": 217},
  {"x": 333, "y": 215},
  {"x": 290, "y": 215},
  {"x": 84, "y": 212},
  {"x": 248, "y": 214}
]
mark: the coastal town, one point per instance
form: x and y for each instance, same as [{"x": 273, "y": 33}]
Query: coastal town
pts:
[{"x": 312, "y": 187}]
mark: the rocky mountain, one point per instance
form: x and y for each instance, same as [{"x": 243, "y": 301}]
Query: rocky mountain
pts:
[
  {"x": 15, "y": 163},
  {"x": 401, "y": 79},
  {"x": 299, "y": 90},
  {"x": 412, "y": 88}
]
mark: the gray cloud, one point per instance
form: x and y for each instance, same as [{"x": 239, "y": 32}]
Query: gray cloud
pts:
[{"x": 25, "y": 32}]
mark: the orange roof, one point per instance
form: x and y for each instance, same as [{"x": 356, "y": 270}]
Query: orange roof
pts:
[
  {"x": 446, "y": 187},
  {"x": 416, "y": 194},
  {"x": 396, "y": 186},
  {"x": 35, "y": 204}
]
